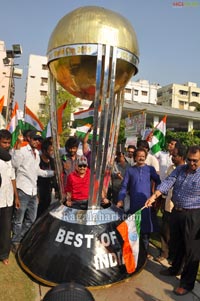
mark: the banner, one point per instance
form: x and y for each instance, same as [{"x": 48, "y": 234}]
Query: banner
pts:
[{"x": 134, "y": 125}]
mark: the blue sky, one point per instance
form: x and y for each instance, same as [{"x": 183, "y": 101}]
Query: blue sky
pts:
[{"x": 168, "y": 36}]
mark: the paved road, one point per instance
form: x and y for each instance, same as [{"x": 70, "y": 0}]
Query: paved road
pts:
[{"x": 148, "y": 285}]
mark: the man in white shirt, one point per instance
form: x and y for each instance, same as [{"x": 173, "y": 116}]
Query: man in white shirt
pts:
[
  {"x": 7, "y": 193},
  {"x": 165, "y": 158},
  {"x": 150, "y": 159},
  {"x": 129, "y": 156},
  {"x": 26, "y": 162}
]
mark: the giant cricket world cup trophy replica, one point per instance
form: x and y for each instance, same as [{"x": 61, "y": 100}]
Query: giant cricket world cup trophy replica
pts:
[{"x": 92, "y": 53}]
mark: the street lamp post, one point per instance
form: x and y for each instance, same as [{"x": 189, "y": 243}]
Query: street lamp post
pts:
[{"x": 14, "y": 73}]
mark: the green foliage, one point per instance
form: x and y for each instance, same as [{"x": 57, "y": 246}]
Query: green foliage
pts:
[
  {"x": 186, "y": 138},
  {"x": 62, "y": 96},
  {"x": 121, "y": 136}
]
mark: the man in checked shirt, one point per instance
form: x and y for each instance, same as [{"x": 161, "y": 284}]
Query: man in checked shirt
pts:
[{"x": 185, "y": 220}]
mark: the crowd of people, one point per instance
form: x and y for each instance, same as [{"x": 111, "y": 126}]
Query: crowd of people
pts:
[{"x": 139, "y": 179}]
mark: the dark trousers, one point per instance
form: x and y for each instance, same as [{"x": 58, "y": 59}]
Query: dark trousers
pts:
[
  {"x": 44, "y": 201},
  {"x": 165, "y": 235},
  {"x": 5, "y": 231},
  {"x": 185, "y": 238},
  {"x": 145, "y": 237}
]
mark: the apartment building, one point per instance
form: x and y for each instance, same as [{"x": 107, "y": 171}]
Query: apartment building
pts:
[
  {"x": 179, "y": 96},
  {"x": 8, "y": 72},
  {"x": 5, "y": 74},
  {"x": 37, "y": 83},
  {"x": 141, "y": 91}
]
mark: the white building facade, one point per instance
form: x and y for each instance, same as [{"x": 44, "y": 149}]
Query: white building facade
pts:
[
  {"x": 8, "y": 72},
  {"x": 37, "y": 83},
  {"x": 4, "y": 74},
  {"x": 141, "y": 91},
  {"x": 180, "y": 96}
]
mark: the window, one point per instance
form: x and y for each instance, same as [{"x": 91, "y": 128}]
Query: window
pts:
[
  {"x": 42, "y": 106},
  {"x": 136, "y": 92},
  {"x": 144, "y": 93},
  {"x": 43, "y": 93},
  {"x": 44, "y": 80},
  {"x": 196, "y": 94},
  {"x": 181, "y": 104},
  {"x": 182, "y": 92},
  {"x": 127, "y": 90},
  {"x": 32, "y": 76},
  {"x": 44, "y": 67}
]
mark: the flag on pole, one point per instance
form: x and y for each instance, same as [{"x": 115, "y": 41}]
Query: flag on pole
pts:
[
  {"x": 1, "y": 104},
  {"x": 156, "y": 138},
  {"x": 60, "y": 111},
  {"x": 16, "y": 124},
  {"x": 83, "y": 117},
  {"x": 47, "y": 131},
  {"x": 82, "y": 131},
  {"x": 130, "y": 233},
  {"x": 31, "y": 121}
]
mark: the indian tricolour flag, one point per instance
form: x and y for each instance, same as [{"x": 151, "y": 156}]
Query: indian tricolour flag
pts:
[
  {"x": 130, "y": 233},
  {"x": 157, "y": 137},
  {"x": 31, "y": 121},
  {"x": 46, "y": 133},
  {"x": 16, "y": 124},
  {"x": 83, "y": 117},
  {"x": 1, "y": 104},
  {"x": 82, "y": 131}
]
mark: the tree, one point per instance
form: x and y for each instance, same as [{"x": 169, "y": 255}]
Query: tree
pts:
[
  {"x": 186, "y": 138},
  {"x": 72, "y": 104},
  {"x": 121, "y": 136}
]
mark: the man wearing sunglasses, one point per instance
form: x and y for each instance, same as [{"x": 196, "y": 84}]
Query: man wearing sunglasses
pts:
[
  {"x": 26, "y": 160},
  {"x": 78, "y": 183},
  {"x": 185, "y": 221},
  {"x": 129, "y": 156}
]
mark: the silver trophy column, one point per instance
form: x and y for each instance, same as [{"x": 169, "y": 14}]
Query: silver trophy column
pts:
[{"x": 92, "y": 53}]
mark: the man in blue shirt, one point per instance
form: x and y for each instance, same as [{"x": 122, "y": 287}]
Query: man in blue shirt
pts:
[
  {"x": 138, "y": 182},
  {"x": 185, "y": 221}
]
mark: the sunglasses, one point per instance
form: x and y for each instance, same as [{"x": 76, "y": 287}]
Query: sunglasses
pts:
[
  {"x": 192, "y": 160},
  {"x": 37, "y": 139},
  {"x": 82, "y": 165}
]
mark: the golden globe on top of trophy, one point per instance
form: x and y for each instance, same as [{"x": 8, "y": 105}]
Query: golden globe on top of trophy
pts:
[{"x": 72, "y": 49}]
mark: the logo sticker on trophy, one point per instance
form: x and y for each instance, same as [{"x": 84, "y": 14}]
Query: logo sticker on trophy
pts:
[{"x": 92, "y": 53}]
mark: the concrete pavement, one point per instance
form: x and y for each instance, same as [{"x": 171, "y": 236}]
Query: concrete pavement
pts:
[{"x": 148, "y": 285}]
